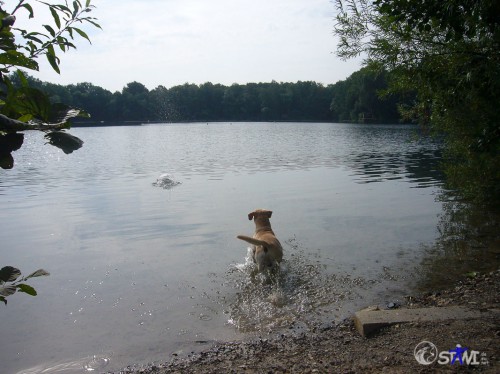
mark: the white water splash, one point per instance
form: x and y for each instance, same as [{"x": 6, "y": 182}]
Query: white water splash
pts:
[{"x": 166, "y": 181}]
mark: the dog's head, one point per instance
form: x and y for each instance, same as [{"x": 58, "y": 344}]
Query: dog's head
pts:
[{"x": 260, "y": 213}]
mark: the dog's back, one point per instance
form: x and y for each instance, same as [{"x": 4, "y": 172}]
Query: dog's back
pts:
[{"x": 267, "y": 251}]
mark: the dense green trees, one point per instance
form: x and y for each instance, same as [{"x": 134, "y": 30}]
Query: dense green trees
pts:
[
  {"x": 356, "y": 99},
  {"x": 446, "y": 53}
]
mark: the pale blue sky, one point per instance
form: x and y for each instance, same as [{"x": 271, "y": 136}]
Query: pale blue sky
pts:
[{"x": 171, "y": 42}]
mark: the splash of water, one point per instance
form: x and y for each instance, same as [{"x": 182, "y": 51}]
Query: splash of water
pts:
[
  {"x": 297, "y": 295},
  {"x": 166, "y": 181}
]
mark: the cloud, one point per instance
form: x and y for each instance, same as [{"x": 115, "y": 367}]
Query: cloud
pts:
[{"x": 170, "y": 42}]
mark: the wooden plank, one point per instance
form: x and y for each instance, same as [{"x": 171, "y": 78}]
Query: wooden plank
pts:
[{"x": 371, "y": 319}]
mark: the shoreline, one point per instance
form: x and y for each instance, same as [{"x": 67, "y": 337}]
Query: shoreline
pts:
[{"x": 340, "y": 348}]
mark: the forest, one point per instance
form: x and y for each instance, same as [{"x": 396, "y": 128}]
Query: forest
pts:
[
  {"x": 355, "y": 99},
  {"x": 436, "y": 63}
]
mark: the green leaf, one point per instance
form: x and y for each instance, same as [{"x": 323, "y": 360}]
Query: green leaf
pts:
[
  {"x": 22, "y": 78},
  {"x": 62, "y": 8},
  {"x": 15, "y": 58},
  {"x": 29, "y": 9},
  {"x": 9, "y": 274},
  {"x": 50, "y": 30},
  {"x": 28, "y": 100},
  {"x": 26, "y": 289},
  {"x": 67, "y": 142},
  {"x": 38, "y": 273},
  {"x": 7, "y": 40},
  {"x": 61, "y": 42},
  {"x": 89, "y": 20},
  {"x": 82, "y": 34},
  {"x": 76, "y": 7},
  {"x": 7, "y": 290},
  {"x": 55, "y": 15},
  {"x": 25, "y": 118},
  {"x": 62, "y": 113},
  {"x": 53, "y": 59},
  {"x": 34, "y": 36}
]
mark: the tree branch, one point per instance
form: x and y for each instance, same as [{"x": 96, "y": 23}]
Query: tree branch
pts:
[{"x": 11, "y": 125}]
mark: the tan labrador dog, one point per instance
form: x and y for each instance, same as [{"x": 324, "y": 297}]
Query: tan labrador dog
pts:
[{"x": 267, "y": 250}]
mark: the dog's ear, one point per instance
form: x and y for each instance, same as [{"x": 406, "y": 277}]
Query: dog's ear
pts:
[
  {"x": 269, "y": 213},
  {"x": 250, "y": 215}
]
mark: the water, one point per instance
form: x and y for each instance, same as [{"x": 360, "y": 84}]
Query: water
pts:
[{"x": 138, "y": 230}]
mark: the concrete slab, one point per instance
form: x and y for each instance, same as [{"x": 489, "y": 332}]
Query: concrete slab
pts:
[{"x": 371, "y": 319}]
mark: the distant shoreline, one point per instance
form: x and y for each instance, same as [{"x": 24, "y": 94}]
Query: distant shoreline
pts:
[{"x": 140, "y": 123}]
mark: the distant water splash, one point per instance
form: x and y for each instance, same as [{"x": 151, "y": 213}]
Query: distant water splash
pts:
[
  {"x": 166, "y": 181},
  {"x": 296, "y": 296}
]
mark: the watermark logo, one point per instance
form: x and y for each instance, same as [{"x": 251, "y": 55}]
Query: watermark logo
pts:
[{"x": 427, "y": 353}]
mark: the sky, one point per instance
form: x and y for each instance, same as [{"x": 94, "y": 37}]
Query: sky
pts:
[{"x": 172, "y": 42}]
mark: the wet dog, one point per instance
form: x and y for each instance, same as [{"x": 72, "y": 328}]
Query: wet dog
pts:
[{"x": 267, "y": 252}]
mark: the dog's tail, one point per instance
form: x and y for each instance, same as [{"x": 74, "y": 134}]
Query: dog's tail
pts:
[{"x": 252, "y": 240}]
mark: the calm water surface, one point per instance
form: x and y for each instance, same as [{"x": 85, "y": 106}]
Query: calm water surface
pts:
[{"x": 139, "y": 271}]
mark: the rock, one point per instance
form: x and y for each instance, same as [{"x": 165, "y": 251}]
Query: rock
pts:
[{"x": 369, "y": 320}]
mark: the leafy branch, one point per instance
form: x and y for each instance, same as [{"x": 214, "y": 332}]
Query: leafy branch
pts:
[
  {"x": 61, "y": 34},
  {"x": 26, "y": 108},
  {"x": 10, "y": 283}
]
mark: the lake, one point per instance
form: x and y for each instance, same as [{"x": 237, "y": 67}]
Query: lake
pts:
[{"x": 142, "y": 268}]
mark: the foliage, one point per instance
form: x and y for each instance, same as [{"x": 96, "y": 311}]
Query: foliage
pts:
[
  {"x": 23, "y": 107},
  {"x": 10, "y": 282},
  {"x": 446, "y": 53},
  {"x": 352, "y": 100},
  {"x": 360, "y": 98},
  {"x": 27, "y": 108}
]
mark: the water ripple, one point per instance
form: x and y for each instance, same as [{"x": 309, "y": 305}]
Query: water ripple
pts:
[{"x": 94, "y": 363}]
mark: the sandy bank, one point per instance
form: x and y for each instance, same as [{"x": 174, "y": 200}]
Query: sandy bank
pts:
[{"x": 340, "y": 349}]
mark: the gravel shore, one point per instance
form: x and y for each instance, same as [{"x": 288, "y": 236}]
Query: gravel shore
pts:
[{"x": 338, "y": 348}]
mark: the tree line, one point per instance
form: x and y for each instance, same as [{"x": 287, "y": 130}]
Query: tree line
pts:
[{"x": 355, "y": 99}]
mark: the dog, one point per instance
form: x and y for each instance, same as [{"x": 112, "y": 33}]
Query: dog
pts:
[{"x": 267, "y": 251}]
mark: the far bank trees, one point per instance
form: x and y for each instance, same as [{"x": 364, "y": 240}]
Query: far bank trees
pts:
[{"x": 356, "y": 99}]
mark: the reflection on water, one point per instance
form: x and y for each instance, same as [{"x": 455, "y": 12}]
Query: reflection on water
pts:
[
  {"x": 140, "y": 272},
  {"x": 373, "y": 153},
  {"x": 469, "y": 242},
  {"x": 421, "y": 167}
]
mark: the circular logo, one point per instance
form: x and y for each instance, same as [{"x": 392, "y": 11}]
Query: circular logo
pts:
[{"x": 425, "y": 353}]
